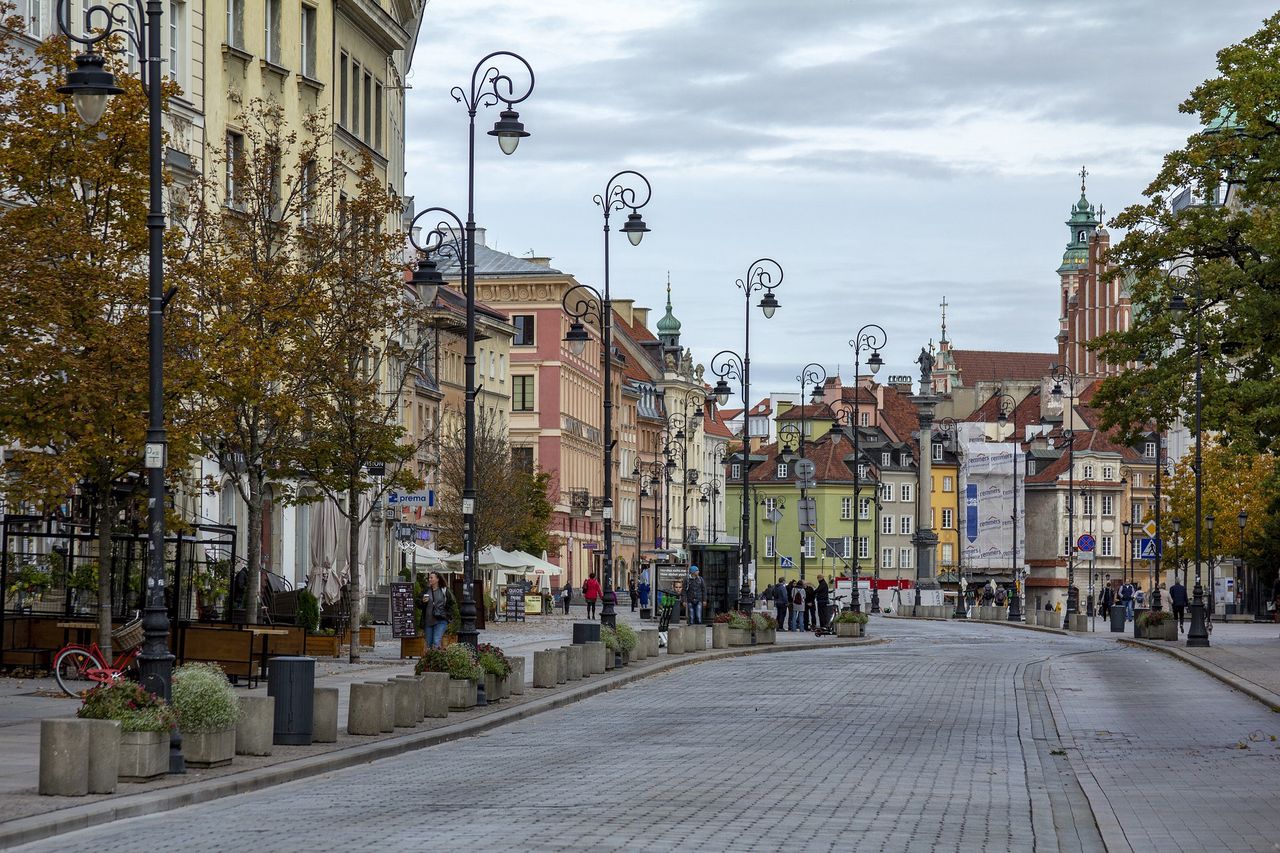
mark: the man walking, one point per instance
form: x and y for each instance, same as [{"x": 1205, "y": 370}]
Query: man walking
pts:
[
  {"x": 823, "y": 597},
  {"x": 1106, "y": 599},
  {"x": 1178, "y": 601},
  {"x": 780, "y": 603},
  {"x": 1126, "y": 598},
  {"x": 633, "y": 593},
  {"x": 695, "y": 595}
]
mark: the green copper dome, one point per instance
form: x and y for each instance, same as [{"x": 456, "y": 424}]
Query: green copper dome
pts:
[{"x": 669, "y": 325}]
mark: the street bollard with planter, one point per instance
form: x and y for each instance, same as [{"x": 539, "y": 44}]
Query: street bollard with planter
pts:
[
  {"x": 720, "y": 635},
  {"x": 562, "y": 666},
  {"x": 104, "y": 755},
  {"x": 573, "y": 655},
  {"x": 675, "y": 640},
  {"x": 517, "y": 676},
  {"x": 545, "y": 666},
  {"x": 595, "y": 654},
  {"x": 462, "y": 694},
  {"x": 388, "y": 721},
  {"x": 404, "y": 711}
]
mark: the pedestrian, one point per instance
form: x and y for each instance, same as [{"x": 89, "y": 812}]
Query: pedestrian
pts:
[
  {"x": 695, "y": 595},
  {"x": 1178, "y": 601},
  {"x": 1107, "y": 599},
  {"x": 633, "y": 592},
  {"x": 810, "y": 608},
  {"x": 566, "y": 596},
  {"x": 1000, "y": 597},
  {"x": 644, "y": 590},
  {"x": 780, "y": 603},
  {"x": 437, "y": 608},
  {"x": 591, "y": 592},
  {"x": 1126, "y": 598},
  {"x": 1139, "y": 597},
  {"x": 823, "y": 596},
  {"x": 797, "y": 606}
]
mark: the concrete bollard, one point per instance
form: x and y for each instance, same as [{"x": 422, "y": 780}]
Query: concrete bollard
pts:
[
  {"x": 545, "y": 666},
  {"x": 419, "y": 695},
  {"x": 575, "y": 656},
  {"x": 594, "y": 657},
  {"x": 1080, "y": 622},
  {"x": 517, "y": 676},
  {"x": 387, "y": 722},
  {"x": 462, "y": 694},
  {"x": 562, "y": 666},
  {"x": 638, "y": 653},
  {"x": 364, "y": 711},
  {"x": 675, "y": 640},
  {"x": 651, "y": 635},
  {"x": 104, "y": 755},
  {"x": 404, "y": 711},
  {"x": 324, "y": 715},
  {"x": 701, "y": 633},
  {"x": 610, "y": 659},
  {"x": 255, "y": 732},
  {"x": 720, "y": 635},
  {"x": 64, "y": 758},
  {"x": 435, "y": 691}
]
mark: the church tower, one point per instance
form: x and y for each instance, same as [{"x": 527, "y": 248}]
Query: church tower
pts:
[{"x": 669, "y": 327}]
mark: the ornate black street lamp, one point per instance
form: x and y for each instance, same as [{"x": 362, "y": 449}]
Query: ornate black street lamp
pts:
[
  {"x": 812, "y": 375},
  {"x": 490, "y": 86},
  {"x": 710, "y": 495},
  {"x": 583, "y": 302},
  {"x": 654, "y": 475},
  {"x": 89, "y": 86},
  {"x": 873, "y": 337},
  {"x": 765, "y": 275},
  {"x": 1208, "y": 521},
  {"x": 1060, "y": 373}
]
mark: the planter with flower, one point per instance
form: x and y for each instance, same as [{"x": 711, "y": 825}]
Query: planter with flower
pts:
[
  {"x": 207, "y": 711},
  {"x": 459, "y": 661},
  {"x": 851, "y": 624},
  {"x": 28, "y": 584},
  {"x": 212, "y": 582},
  {"x": 497, "y": 671},
  {"x": 627, "y": 639},
  {"x": 368, "y": 634},
  {"x": 145, "y": 723},
  {"x": 739, "y": 628},
  {"x": 766, "y": 628},
  {"x": 1157, "y": 625},
  {"x": 317, "y": 642},
  {"x": 612, "y": 646}
]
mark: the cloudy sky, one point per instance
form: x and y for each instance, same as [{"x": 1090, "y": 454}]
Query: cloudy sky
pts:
[{"x": 887, "y": 153}]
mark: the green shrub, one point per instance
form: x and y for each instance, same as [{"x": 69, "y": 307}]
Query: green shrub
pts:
[
  {"x": 764, "y": 622},
  {"x": 738, "y": 619},
  {"x": 627, "y": 638},
  {"x": 1153, "y": 618},
  {"x": 204, "y": 699},
  {"x": 366, "y": 619},
  {"x": 126, "y": 701},
  {"x": 493, "y": 660},
  {"x": 850, "y": 617},
  {"x": 459, "y": 660},
  {"x": 610, "y": 638},
  {"x": 308, "y": 614}
]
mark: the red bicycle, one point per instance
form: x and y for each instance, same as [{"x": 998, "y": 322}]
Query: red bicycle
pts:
[{"x": 79, "y": 668}]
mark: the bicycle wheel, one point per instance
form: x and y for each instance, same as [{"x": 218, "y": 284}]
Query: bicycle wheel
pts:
[{"x": 71, "y": 669}]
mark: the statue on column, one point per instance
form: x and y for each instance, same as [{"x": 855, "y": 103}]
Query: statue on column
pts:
[{"x": 925, "y": 360}]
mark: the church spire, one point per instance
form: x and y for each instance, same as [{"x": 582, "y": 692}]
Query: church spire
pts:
[
  {"x": 1082, "y": 224},
  {"x": 943, "y": 304},
  {"x": 669, "y": 326}
]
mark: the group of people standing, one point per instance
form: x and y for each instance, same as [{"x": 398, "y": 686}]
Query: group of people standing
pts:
[{"x": 800, "y": 606}]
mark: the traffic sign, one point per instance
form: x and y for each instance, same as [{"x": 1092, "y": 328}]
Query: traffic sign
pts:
[
  {"x": 785, "y": 562},
  {"x": 1150, "y": 527},
  {"x": 805, "y": 469},
  {"x": 1149, "y": 549},
  {"x": 1086, "y": 542}
]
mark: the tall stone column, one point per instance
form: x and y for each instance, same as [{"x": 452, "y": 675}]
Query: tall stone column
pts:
[{"x": 925, "y": 540}]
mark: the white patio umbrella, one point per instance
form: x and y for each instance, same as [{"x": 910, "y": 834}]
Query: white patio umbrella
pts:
[
  {"x": 539, "y": 566},
  {"x": 323, "y": 580}
]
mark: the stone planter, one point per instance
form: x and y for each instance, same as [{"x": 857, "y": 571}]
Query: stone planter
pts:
[
  {"x": 462, "y": 694},
  {"x": 144, "y": 756},
  {"x": 367, "y": 635},
  {"x": 610, "y": 658},
  {"x": 720, "y": 635},
  {"x": 848, "y": 629},
  {"x": 504, "y": 687},
  {"x": 209, "y": 749},
  {"x": 739, "y": 637},
  {"x": 626, "y": 657},
  {"x": 768, "y": 636},
  {"x": 492, "y": 691}
]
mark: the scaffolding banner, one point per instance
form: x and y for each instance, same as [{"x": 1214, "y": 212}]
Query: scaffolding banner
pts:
[{"x": 989, "y": 477}]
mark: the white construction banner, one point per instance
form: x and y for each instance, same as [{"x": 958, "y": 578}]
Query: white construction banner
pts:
[{"x": 990, "y": 473}]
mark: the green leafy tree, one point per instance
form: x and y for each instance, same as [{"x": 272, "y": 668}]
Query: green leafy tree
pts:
[
  {"x": 1232, "y": 481},
  {"x": 73, "y": 297},
  {"x": 1221, "y": 258}
]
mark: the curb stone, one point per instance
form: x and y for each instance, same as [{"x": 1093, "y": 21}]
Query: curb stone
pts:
[
  {"x": 38, "y": 827},
  {"x": 1248, "y": 688}
]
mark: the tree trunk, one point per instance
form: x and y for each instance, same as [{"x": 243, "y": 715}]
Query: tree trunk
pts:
[
  {"x": 104, "y": 570},
  {"x": 253, "y": 548},
  {"x": 353, "y": 565}
]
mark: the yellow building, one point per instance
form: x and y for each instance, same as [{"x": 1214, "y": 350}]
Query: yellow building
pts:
[{"x": 945, "y": 507}]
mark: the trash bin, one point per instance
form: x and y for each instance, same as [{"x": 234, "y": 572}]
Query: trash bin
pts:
[
  {"x": 292, "y": 681},
  {"x": 1117, "y": 618},
  {"x": 586, "y": 632}
]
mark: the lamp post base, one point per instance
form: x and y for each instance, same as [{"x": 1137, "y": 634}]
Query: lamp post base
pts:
[
  {"x": 608, "y": 614},
  {"x": 1198, "y": 635},
  {"x": 1015, "y": 609}
]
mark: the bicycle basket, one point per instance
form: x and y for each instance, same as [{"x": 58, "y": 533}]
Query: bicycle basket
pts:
[{"x": 128, "y": 635}]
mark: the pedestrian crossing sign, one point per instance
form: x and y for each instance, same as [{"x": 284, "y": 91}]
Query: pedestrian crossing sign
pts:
[
  {"x": 1148, "y": 548},
  {"x": 785, "y": 562}
]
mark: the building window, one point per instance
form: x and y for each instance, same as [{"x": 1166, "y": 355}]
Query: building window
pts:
[
  {"x": 904, "y": 558},
  {"x": 886, "y": 525},
  {"x": 271, "y": 31},
  {"x": 235, "y": 23},
  {"x": 1106, "y": 546},
  {"x": 862, "y": 472},
  {"x": 1108, "y": 505},
  {"x": 343, "y": 61},
  {"x": 904, "y": 525},
  {"x": 522, "y": 393},
  {"x": 864, "y": 547},
  {"x": 178, "y": 42},
  {"x": 524, "y": 330},
  {"x": 235, "y": 165},
  {"x": 864, "y": 418},
  {"x": 377, "y": 116},
  {"x": 846, "y": 509},
  {"x": 35, "y": 17},
  {"x": 735, "y": 471},
  {"x": 1107, "y": 472},
  {"x": 1137, "y": 480},
  {"x": 781, "y": 472},
  {"x": 886, "y": 558},
  {"x": 1088, "y": 503},
  {"x": 864, "y": 508},
  {"x": 948, "y": 519},
  {"x": 308, "y": 35},
  {"x": 768, "y": 547},
  {"x": 937, "y": 452},
  {"x": 1149, "y": 450},
  {"x": 907, "y": 492},
  {"x": 522, "y": 458},
  {"x": 885, "y": 456},
  {"x": 1088, "y": 472},
  {"x": 368, "y": 105},
  {"x": 354, "y": 127},
  {"x": 1135, "y": 511},
  {"x": 947, "y": 554},
  {"x": 846, "y": 547},
  {"x": 886, "y": 492},
  {"x": 810, "y": 547},
  {"x": 948, "y": 484}
]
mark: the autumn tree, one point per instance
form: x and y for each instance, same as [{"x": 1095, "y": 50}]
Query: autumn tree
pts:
[
  {"x": 73, "y": 297},
  {"x": 364, "y": 351},
  {"x": 1231, "y": 481},
  {"x": 261, "y": 227},
  {"x": 1221, "y": 255}
]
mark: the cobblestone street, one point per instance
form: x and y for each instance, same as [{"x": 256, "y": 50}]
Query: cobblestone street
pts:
[{"x": 950, "y": 737}]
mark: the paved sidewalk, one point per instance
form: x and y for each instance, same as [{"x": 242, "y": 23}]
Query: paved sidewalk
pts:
[
  {"x": 23, "y": 703},
  {"x": 1244, "y": 656}
]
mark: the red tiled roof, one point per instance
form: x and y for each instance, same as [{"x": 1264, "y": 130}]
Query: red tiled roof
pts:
[
  {"x": 1025, "y": 414},
  {"x": 729, "y": 414},
  {"x": 713, "y": 425},
  {"x": 809, "y": 413},
  {"x": 827, "y": 453},
  {"x": 899, "y": 415},
  {"x": 993, "y": 366}
]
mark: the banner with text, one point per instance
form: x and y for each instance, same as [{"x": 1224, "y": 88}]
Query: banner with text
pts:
[{"x": 988, "y": 477}]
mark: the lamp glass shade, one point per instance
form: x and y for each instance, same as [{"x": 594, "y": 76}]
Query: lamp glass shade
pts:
[
  {"x": 875, "y": 362},
  {"x": 1208, "y": 521},
  {"x": 768, "y": 304},
  {"x": 1243, "y": 518},
  {"x": 1177, "y": 525},
  {"x": 1002, "y": 418},
  {"x": 722, "y": 392},
  {"x": 698, "y": 413},
  {"x": 509, "y": 131},
  {"x": 576, "y": 338},
  {"x": 89, "y": 87},
  {"x": 1178, "y": 306},
  {"x": 89, "y": 106},
  {"x": 635, "y": 228}
]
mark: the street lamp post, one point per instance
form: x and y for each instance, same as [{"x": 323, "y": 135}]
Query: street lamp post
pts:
[
  {"x": 1059, "y": 374},
  {"x": 1177, "y": 551},
  {"x": 655, "y": 473},
  {"x": 90, "y": 85},
  {"x": 490, "y": 86},
  {"x": 581, "y": 302},
  {"x": 870, "y": 336},
  {"x": 812, "y": 375},
  {"x": 1249, "y": 594},
  {"x": 764, "y": 274},
  {"x": 1125, "y": 556},
  {"x": 710, "y": 493}
]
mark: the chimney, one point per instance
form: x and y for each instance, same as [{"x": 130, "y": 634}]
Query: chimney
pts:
[
  {"x": 539, "y": 261},
  {"x": 901, "y": 384},
  {"x": 480, "y": 236},
  {"x": 641, "y": 316}
]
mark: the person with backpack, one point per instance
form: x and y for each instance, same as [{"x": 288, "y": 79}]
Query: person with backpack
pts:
[
  {"x": 1126, "y": 598},
  {"x": 591, "y": 592},
  {"x": 810, "y": 608},
  {"x": 822, "y": 595},
  {"x": 1106, "y": 599},
  {"x": 1139, "y": 597},
  {"x": 566, "y": 597},
  {"x": 780, "y": 600}
]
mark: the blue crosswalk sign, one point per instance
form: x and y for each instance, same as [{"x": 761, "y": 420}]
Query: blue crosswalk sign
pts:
[
  {"x": 785, "y": 562},
  {"x": 1148, "y": 549}
]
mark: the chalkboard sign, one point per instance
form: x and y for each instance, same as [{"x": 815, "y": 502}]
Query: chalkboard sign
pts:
[
  {"x": 515, "y": 601},
  {"x": 402, "y": 611}
]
